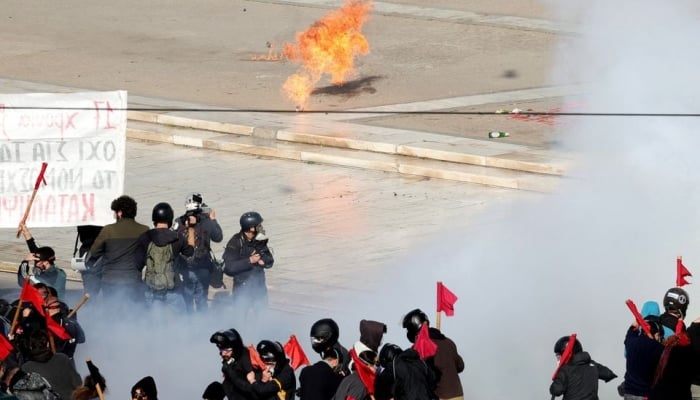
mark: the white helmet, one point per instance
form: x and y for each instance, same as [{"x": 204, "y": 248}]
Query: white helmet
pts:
[{"x": 193, "y": 201}]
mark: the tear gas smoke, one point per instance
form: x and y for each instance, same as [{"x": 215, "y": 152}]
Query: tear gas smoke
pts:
[{"x": 566, "y": 262}]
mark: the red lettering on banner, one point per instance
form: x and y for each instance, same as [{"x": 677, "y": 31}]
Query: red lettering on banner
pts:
[
  {"x": 101, "y": 123},
  {"x": 61, "y": 208}
]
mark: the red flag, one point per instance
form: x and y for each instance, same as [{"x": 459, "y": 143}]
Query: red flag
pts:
[
  {"x": 56, "y": 328},
  {"x": 255, "y": 359},
  {"x": 365, "y": 372},
  {"x": 296, "y": 354},
  {"x": 681, "y": 273},
  {"x": 445, "y": 300},
  {"x": 5, "y": 347},
  {"x": 423, "y": 345},
  {"x": 566, "y": 355},
  {"x": 637, "y": 316},
  {"x": 31, "y": 295},
  {"x": 40, "y": 178}
]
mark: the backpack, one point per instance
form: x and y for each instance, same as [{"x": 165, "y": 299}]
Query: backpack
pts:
[{"x": 160, "y": 271}]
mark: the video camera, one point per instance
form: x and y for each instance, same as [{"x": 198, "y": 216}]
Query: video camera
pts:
[{"x": 194, "y": 207}]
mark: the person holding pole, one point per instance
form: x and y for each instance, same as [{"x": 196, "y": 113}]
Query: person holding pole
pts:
[
  {"x": 447, "y": 363},
  {"x": 44, "y": 269}
]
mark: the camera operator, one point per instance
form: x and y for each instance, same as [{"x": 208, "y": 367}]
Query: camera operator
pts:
[
  {"x": 245, "y": 259},
  {"x": 200, "y": 227}
]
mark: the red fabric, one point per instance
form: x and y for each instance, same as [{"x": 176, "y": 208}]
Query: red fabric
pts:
[
  {"x": 56, "y": 328},
  {"x": 423, "y": 345},
  {"x": 365, "y": 372},
  {"x": 681, "y": 273},
  {"x": 255, "y": 359},
  {"x": 566, "y": 355},
  {"x": 40, "y": 178},
  {"x": 445, "y": 300},
  {"x": 640, "y": 320},
  {"x": 296, "y": 354},
  {"x": 5, "y": 347},
  {"x": 31, "y": 295}
]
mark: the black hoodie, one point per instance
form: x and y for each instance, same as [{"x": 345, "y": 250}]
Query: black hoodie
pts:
[{"x": 578, "y": 379}]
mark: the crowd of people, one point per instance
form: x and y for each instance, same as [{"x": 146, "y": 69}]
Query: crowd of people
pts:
[{"x": 170, "y": 267}]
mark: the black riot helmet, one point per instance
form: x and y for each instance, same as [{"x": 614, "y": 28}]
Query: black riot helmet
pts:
[
  {"x": 324, "y": 334},
  {"x": 412, "y": 322},
  {"x": 228, "y": 339},
  {"x": 249, "y": 220},
  {"x": 560, "y": 345},
  {"x": 388, "y": 353},
  {"x": 271, "y": 351},
  {"x": 676, "y": 299},
  {"x": 163, "y": 213}
]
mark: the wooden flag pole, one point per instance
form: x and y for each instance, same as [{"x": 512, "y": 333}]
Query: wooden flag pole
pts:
[
  {"x": 75, "y": 309},
  {"x": 39, "y": 180},
  {"x": 438, "y": 320},
  {"x": 16, "y": 317}
]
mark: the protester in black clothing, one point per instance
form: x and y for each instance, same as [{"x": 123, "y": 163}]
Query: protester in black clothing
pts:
[
  {"x": 277, "y": 380},
  {"x": 236, "y": 366},
  {"x": 245, "y": 259},
  {"x": 324, "y": 338},
  {"x": 57, "y": 368},
  {"x": 214, "y": 391},
  {"x": 145, "y": 389},
  {"x": 199, "y": 226},
  {"x": 578, "y": 378},
  {"x": 384, "y": 383},
  {"x": 642, "y": 356},
  {"x": 676, "y": 303},
  {"x": 321, "y": 380},
  {"x": 678, "y": 365}
]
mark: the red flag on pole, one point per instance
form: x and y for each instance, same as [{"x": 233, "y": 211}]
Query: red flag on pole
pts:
[
  {"x": 638, "y": 317},
  {"x": 255, "y": 359},
  {"x": 364, "y": 371},
  {"x": 423, "y": 345},
  {"x": 30, "y": 294},
  {"x": 296, "y": 354},
  {"x": 40, "y": 179},
  {"x": 5, "y": 347},
  {"x": 56, "y": 328},
  {"x": 445, "y": 300},
  {"x": 566, "y": 355},
  {"x": 681, "y": 273}
]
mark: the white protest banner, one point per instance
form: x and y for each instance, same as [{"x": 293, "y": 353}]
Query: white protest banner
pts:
[{"x": 82, "y": 138}]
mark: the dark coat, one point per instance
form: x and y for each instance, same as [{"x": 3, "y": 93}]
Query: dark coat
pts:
[
  {"x": 207, "y": 230},
  {"x": 318, "y": 382},
  {"x": 236, "y": 385},
  {"x": 447, "y": 364},
  {"x": 162, "y": 237},
  {"x": 59, "y": 370},
  {"x": 283, "y": 380},
  {"x": 642, "y": 357},
  {"x": 414, "y": 380},
  {"x": 681, "y": 369},
  {"x": 236, "y": 264},
  {"x": 117, "y": 244},
  {"x": 578, "y": 379}
]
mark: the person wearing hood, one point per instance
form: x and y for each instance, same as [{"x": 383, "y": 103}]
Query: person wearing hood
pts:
[
  {"x": 277, "y": 380},
  {"x": 58, "y": 369},
  {"x": 44, "y": 269},
  {"x": 578, "y": 378},
  {"x": 145, "y": 389},
  {"x": 214, "y": 391},
  {"x": 403, "y": 375},
  {"x": 447, "y": 364},
  {"x": 163, "y": 285}
]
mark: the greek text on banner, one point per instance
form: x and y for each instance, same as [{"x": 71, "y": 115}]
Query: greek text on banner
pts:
[{"x": 82, "y": 138}]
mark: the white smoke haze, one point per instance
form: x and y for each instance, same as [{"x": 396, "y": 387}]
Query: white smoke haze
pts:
[
  {"x": 556, "y": 264},
  {"x": 566, "y": 262}
]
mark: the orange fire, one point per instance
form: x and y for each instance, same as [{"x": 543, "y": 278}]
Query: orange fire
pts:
[{"x": 329, "y": 46}]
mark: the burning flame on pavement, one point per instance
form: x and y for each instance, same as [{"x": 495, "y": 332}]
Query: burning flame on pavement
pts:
[
  {"x": 329, "y": 46},
  {"x": 271, "y": 55}
]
